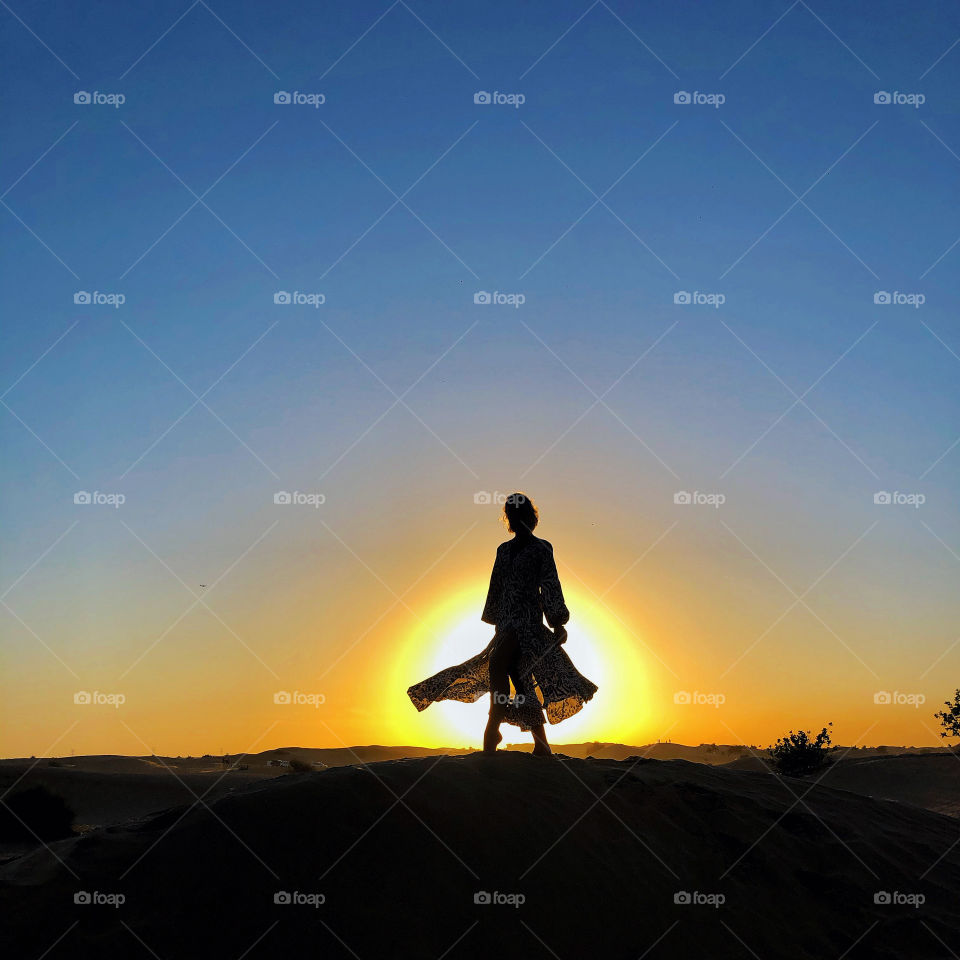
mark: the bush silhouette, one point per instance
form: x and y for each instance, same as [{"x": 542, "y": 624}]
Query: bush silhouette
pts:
[
  {"x": 796, "y": 755},
  {"x": 300, "y": 766},
  {"x": 35, "y": 813},
  {"x": 950, "y": 718}
]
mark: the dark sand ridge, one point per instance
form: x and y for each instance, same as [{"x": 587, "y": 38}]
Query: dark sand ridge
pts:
[
  {"x": 599, "y": 876},
  {"x": 109, "y": 789}
]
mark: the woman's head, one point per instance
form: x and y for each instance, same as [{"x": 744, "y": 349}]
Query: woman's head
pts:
[{"x": 519, "y": 513}]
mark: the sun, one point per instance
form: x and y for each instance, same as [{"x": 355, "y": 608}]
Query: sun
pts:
[{"x": 598, "y": 643}]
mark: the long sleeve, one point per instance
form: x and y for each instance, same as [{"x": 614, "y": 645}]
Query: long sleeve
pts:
[
  {"x": 491, "y": 609},
  {"x": 551, "y": 593}
]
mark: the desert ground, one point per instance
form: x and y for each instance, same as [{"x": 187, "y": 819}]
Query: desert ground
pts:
[{"x": 608, "y": 850}]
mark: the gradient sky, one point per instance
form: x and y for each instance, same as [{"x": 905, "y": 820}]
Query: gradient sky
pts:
[{"x": 399, "y": 198}]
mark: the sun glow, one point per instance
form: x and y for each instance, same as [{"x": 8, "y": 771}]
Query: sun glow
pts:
[{"x": 600, "y": 647}]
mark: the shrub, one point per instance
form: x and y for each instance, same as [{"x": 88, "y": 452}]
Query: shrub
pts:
[
  {"x": 35, "y": 812},
  {"x": 950, "y": 718},
  {"x": 300, "y": 766},
  {"x": 796, "y": 755}
]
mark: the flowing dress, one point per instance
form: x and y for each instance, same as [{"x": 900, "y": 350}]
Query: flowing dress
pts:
[{"x": 524, "y": 588}]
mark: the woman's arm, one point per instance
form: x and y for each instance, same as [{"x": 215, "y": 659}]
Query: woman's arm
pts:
[
  {"x": 551, "y": 594},
  {"x": 491, "y": 609}
]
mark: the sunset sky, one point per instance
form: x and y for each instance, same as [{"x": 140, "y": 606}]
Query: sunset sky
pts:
[{"x": 597, "y": 201}]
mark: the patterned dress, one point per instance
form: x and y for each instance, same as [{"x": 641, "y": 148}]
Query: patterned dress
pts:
[{"x": 524, "y": 587}]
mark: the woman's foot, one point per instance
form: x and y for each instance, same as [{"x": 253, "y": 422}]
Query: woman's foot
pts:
[
  {"x": 491, "y": 737},
  {"x": 539, "y": 751}
]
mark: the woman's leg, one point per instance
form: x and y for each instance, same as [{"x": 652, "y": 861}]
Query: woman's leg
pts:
[
  {"x": 540, "y": 746},
  {"x": 501, "y": 660}
]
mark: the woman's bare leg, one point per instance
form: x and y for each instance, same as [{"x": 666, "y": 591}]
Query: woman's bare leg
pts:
[
  {"x": 540, "y": 746},
  {"x": 501, "y": 661}
]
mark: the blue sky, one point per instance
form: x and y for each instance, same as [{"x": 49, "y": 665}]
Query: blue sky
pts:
[{"x": 597, "y": 199}]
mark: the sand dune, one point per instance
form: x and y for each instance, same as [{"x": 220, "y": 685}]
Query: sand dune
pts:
[
  {"x": 110, "y": 789},
  {"x": 598, "y": 849},
  {"x": 930, "y": 780}
]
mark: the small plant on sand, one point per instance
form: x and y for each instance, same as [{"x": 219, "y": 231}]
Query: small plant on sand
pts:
[
  {"x": 950, "y": 718},
  {"x": 796, "y": 755},
  {"x": 300, "y": 766},
  {"x": 35, "y": 813}
]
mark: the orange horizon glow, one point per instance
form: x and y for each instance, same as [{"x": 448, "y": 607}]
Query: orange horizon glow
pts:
[{"x": 363, "y": 687}]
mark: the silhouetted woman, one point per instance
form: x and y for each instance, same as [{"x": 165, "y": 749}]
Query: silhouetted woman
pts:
[{"x": 524, "y": 588}]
